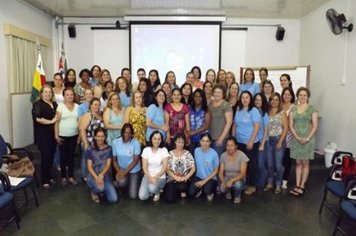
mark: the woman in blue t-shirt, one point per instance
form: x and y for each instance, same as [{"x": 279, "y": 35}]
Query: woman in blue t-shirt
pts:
[
  {"x": 207, "y": 165},
  {"x": 247, "y": 122},
  {"x": 126, "y": 161},
  {"x": 155, "y": 119}
]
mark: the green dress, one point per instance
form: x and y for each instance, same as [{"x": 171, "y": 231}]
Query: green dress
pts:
[{"x": 302, "y": 123}]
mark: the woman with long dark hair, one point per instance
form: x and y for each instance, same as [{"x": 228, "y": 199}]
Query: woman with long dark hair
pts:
[{"x": 99, "y": 158}]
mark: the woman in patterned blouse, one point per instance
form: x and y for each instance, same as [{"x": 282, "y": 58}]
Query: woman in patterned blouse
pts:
[{"x": 180, "y": 169}]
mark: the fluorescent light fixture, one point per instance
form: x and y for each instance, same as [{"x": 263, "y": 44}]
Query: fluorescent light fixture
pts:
[{"x": 176, "y": 18}]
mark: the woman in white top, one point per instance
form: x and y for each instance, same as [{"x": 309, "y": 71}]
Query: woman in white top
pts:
[
  {"x": 66, "y": 133},
  {"x": 154, "y": 165},
  {"x": 58, "y": 88}
]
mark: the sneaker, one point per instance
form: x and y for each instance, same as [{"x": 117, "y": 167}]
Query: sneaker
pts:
[
  {"x": 95, "y": 197},
  {"x": 52, "y": 181},
  {"x": 47, "y": 186},
  {"x": 64, "y": 181},
  {"x": 285, "y": 185},
  {"x": 237, "y": 200},
  {"x": 183, "y": 194},
  {"x": 268, "y": 187},
  {"x": 156, "y": 197},
  {"x": 228, "y": 195},
  {"x": 250, "y": 190},
  {"x": 198, "y": 194},
  {"x": 278, "y": 190},
  {"x": 72, "y": 181},
  {"x": 210, "y": 197}
]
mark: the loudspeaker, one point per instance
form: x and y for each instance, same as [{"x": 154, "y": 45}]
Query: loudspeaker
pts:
[
  {"x": 72, "y": 31},
  {"x": 280, "y": 33}
]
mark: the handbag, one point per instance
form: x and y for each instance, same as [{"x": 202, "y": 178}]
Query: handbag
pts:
[
  {"x": 348, "y": 167},
  {"x": 21, "y": 168}
]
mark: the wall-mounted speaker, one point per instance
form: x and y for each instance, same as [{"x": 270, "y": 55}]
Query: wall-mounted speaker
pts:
[
  {"x": 72, "y": 31},
  {"x": 280, "y": 33}
]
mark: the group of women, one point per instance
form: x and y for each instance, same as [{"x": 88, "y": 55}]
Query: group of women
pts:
[{"x": 200, "y": 138}]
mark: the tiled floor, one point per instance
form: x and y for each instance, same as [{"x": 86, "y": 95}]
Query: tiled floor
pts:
[{"x": 69, "y": 211}]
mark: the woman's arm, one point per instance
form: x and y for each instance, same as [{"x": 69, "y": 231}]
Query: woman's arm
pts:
[
  {"x": 265, "y": 135},
  {"x": 56, "y": 129},
  {"x": 127, "y": 115},
  {"x": 314, "y": 126},
  {"x": 107, "y": 123},
  {"x": 291, "y": 128},
  {"x": 83, "y": 125},
  {"x": 242, "y": 175},
  {"x": 250, "y": 143},
  {"x": 221, "y": 173},
  {"x": 136, "y": 159},
  {"x": 164, "y": 168},
  {"x": 91, "y": 170},
  {"x": 187, "y": 127},
  {"x": 106, "y": 168},
  {"x": 166, "y": 117},
  {"x": 228, "y": 118},
  {"x": 284, "y": 131}
]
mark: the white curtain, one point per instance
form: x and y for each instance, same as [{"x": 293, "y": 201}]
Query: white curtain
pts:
[{"x": 22, "y": 59}]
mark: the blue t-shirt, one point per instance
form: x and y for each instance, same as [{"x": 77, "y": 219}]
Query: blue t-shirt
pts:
[
  {"x": 93, "y": 82},
  {"x": 82, "y": 109},
  {"x": 252, "y": 87},
  {"x": 245, "y": 121},
  {"x": 125, "y": 152},
  {"x": 124, "y": 99},
  {"x": 156, "y": 115},
  {"x": 264, "y": 124},
  {"x": 205, "y": 162},
  {"x": 197, "y": 121}
]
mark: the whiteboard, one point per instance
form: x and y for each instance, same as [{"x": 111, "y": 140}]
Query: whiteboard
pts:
[
  {"x": 21, "y": 119},
  {"x": 300, "y": 75}
]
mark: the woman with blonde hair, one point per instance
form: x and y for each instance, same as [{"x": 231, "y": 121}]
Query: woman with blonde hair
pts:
[
  {"x": 113, "y": 117},
  {"x": 136, "y": 115}
]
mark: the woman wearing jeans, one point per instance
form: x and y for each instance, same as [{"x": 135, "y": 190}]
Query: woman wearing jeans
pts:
[
  {"x": 99, "y": 164},
  {"x": 232, "y": 171},
  {"x": 277, "y": 131},
  {"x": 154, "y": 165},
  {"x": 126, "y": 162}
]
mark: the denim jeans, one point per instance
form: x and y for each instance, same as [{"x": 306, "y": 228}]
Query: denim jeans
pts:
[
  {"x": 262, "y": 167},
  {"x": 146, "y": 188},
  {"x": 83, "y": 163},
  {"x": 108, "y": 190},
  {"x": 131, "y": 180},
  {"x": 274, "y": 161},
  {"x": 237, "y": 188}
]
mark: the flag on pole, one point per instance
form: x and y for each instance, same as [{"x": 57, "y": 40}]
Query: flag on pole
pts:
[
  {"x": 61, "y": 66},
  {"x": 39, "y": 79}
]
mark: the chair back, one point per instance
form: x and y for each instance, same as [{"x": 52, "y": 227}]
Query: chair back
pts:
[
  {"x": 337, "y": 157},
  {"x": 350, "y": 193},
  {"x": 5, "y": 182}
]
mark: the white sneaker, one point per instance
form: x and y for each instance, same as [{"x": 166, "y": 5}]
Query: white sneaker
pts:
[
  {"x": 210, "y": 197},
  {"x": 228, "y": 195},
  {"x": 198, "y": 194},
  {"x": 285, "y": 184},
  {"x": 156, "y": 197},
  {"x": 237, "y": 200}
]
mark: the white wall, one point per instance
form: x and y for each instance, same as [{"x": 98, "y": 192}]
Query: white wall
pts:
[
  {"x": 15, "y": 13},
  {"x": 326, "y": 53}
]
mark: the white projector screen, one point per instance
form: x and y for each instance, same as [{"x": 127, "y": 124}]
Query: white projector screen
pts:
[{"x": 176, "y": 47}]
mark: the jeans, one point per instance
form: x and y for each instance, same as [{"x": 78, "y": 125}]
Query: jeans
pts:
[
  {"x": 219, "y": 149},
  {"x": 207, "y": 189},
  {"x": 131, "y": 180},
  {"x": 146, "y": 188},
  {"x": 262, "y": 167},
  {"x": 274, "y": 161},
  {"x": 83, "y": 163},
  {"x": 237, "y": 188},
  {"x": 108, "y": 190},
  {"x": 252, "y": 164}
]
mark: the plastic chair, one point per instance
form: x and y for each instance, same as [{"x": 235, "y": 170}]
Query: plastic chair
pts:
[
  {"x": 6, "y": 200},
  {"x": 334, "y": 183},
  {"x": 348, "y": 205},
  {"x": 6, "y": 149}
]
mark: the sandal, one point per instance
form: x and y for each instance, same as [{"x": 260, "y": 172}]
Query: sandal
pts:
[
  {"x": 95, "y": 197},
  {"x": 297, "y": 191}
]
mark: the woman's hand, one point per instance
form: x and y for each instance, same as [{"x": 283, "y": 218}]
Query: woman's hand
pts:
[
  {"x": 249, "y": 145},
  {"x": 100, "y": 182},
  {"x": 279, "y": 145},
  {"x": 200, "y": 184},
  {"x": 229, "y": 183},
  {"x": 261, "y": 147},
  {"x": 59, "y": 140},
  {"x": 219, "y": 142}
]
